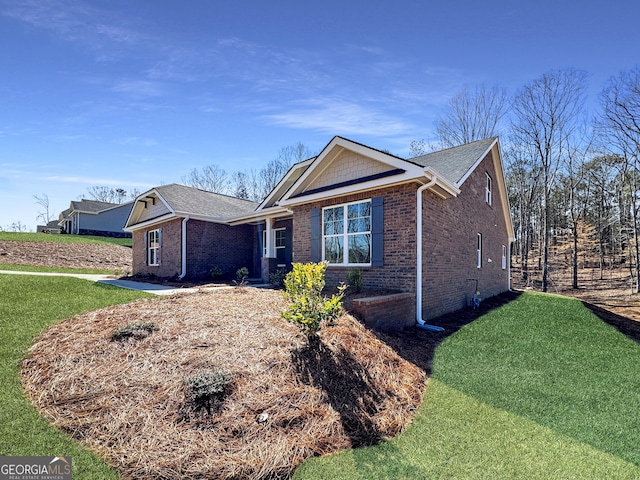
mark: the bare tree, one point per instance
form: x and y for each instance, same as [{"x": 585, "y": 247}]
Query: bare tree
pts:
[
  {"x": 523, "y": 183},
  {"x": 248, "y": 184},
  {"x": 103, "y": 193},
  {"x": 273, "y": 172},
  {"x": 620, "y": 123},
  {"x": 546, "y": 114},
  {"x": 210, "y": 178},
  {"x": 471, "y": 116},
  {"x": 18, "y": 226},
  {"x": 578, "y": 149},
  {"x": 43, "y": 201}
]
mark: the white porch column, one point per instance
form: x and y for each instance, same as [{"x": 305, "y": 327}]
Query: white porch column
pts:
[{"x": 269, "y": 247}]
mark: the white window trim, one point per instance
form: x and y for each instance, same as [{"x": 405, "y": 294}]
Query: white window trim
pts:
[
  {"x": 479, "y": 251},
  {"x": 264, "y": 244},
  {"x": 345, "y": 235},
  {"x": 275, "y": 244},
  {"x": 504, "y": 257},
  {"x": 155, "y": 250},
  {"x": 489, "y": 190}
]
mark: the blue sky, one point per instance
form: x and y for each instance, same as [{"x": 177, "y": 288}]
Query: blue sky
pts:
[{"x": 134, "y": 94}]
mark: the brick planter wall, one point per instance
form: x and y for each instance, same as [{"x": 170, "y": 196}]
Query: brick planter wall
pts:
[{"x": 386, "y": 313}]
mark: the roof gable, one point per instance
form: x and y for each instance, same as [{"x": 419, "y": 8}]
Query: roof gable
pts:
[
  {"x": 345, "y": 166},
  {"x": 174, "y": 200}
]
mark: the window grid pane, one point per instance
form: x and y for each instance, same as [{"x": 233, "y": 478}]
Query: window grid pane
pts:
[{"x": 355, "y": 233}]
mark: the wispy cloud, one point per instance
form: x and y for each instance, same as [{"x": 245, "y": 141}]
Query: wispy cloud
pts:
[
  {"x": 67, "y": 138},
  {"x": 143, "y": 142},
  {"x": 140, "y": 88},
  {"x": 109, "y": 182},
  {"x": 337, "y": 116},
  {"x": 73, "y": 20}
]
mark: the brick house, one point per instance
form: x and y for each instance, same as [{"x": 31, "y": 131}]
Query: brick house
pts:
[
  {"x": 180, "y": 232},
  {"x": 358, "y": 207}
]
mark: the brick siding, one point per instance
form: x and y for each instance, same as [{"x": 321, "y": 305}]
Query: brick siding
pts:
[
  {"x": 450, "y": 245},
  {"x": 170, "y": 251},
  {"x": 215, "y": 245},
  {"x": 208, "y": 245},
  {"x": 399, "y": 269}
]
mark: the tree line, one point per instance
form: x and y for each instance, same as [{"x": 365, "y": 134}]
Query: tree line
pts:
[{"x": 573, "y": 176}]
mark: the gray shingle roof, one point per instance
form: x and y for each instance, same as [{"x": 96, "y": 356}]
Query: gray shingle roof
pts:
[
  {"x": 91, "y": 206},
  {"x": 192, "y": 201},
  {"x": 454, "y": 162}
]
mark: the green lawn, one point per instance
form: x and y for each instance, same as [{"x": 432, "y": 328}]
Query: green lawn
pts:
[
  {"x": 538, "y": 389},
  {"x": 28, "y": 304},
  {"x": 34, "y": 268},
  {"x": 44, "y": 237}
]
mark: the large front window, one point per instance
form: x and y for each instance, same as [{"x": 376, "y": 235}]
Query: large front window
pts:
[{"x": 347, "y": 233}]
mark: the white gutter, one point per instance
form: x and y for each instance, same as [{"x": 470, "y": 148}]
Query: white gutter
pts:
[
  {"x": 421, "y": 323},
  {"x": 184, "y": 248}
]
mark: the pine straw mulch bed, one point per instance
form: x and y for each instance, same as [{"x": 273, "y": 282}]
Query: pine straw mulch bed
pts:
[{"x": 125, "y": 399}]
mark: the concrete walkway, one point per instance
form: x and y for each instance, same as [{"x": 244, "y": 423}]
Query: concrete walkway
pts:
[{"x": 108, "y": 279}]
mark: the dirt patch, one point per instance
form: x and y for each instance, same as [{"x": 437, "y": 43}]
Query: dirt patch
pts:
[
  {"x": 126, "y": 401},
  {"x": 68, "y": 255}
]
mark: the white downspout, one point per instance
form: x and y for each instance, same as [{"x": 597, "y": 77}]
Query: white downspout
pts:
[
  {"x": 509, "y": 266},
  {"x": 184, "y": 248},
  {"x": 421, "y": 323}
]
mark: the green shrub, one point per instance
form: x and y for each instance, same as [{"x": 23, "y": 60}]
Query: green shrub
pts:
[
  {"x": 309, "y": 308},
  {"x": 241, "y": 277},
  {"x": 136, "y": 329},
  {"x": 215, "y": 272},
  {"x": 207, "y": 387},
  {"x": 354, "y": 279},
  {"x": 242, "y": 273},
  {"x": 277, "y": 278}
]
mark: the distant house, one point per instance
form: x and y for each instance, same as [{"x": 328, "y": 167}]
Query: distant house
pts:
[
  {"x": 51, "y": 227},
  {"x": 435, "y": 227},
  {"x": 91, "y": 217}
]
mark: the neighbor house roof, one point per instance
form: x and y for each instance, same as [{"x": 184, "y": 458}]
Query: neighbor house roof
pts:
[
  {"x": 91, "y": 206},
  {"x": 454, "y": 163}
]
